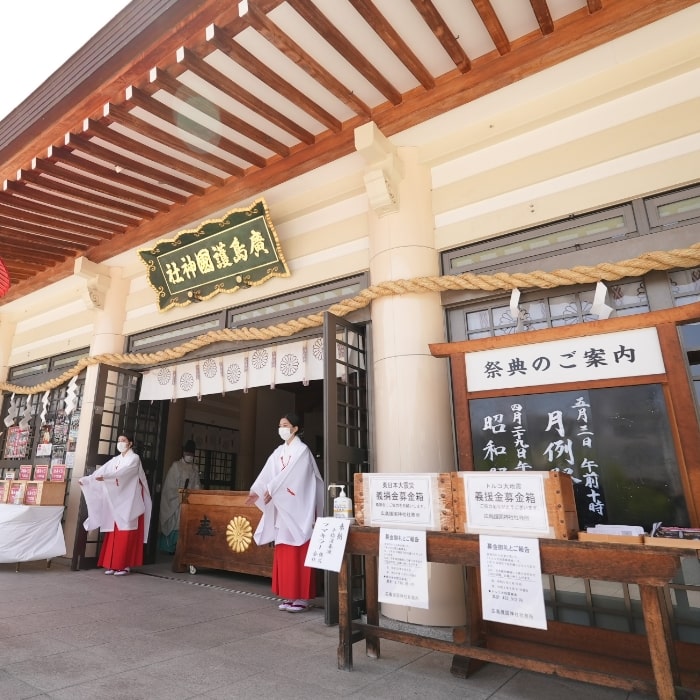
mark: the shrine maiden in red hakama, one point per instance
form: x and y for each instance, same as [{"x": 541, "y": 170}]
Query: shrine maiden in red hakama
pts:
[
  {"x": 289, "y": 492},
  {"x": 119, "y": 504}
]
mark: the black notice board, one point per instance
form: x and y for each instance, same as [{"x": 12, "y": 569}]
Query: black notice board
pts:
[{"x": 615, "y": 443}]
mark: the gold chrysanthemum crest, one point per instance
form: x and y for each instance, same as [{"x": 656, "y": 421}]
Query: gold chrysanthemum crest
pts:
[{"x": 239, "y": 534}]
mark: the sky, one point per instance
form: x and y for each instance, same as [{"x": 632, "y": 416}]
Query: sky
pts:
[{"x": 38, "y": 36}]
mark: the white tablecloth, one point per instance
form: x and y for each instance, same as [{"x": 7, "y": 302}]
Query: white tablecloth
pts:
[{"x": 30, "y": 533}]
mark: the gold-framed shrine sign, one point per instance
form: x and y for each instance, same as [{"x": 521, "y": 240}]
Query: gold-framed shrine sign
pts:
[{"x": 221, "y": 255}]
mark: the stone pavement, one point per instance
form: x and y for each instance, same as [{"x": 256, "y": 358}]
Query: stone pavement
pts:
[{"x": 157, "y": 635}]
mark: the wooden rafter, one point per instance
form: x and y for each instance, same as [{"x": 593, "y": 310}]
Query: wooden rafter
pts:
[
  {"x": 138, "y": 98},
  {"x": 444, "y": 34},
  {"x": 333, "y": 35},
  {"x": 379, "y": 24},
  {"x": 543, "y": 15},
  {"x": 101, "y": 130},
  {"x": 209, "y": 74},
  {"x": 85, "y": 145},
  {"x": 121, "y": 115},
  {"x": 206, "y": 120},
  {"x": 305, "y": 61},
  {"x": 493, "y": 25},
  {"x": 160, "y": 80}
]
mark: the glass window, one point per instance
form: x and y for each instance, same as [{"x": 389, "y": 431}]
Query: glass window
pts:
[
  {"x": 550, "y": 311},
  {"x": 685, "y": 286},
  {"x": 544, "y": 241}
]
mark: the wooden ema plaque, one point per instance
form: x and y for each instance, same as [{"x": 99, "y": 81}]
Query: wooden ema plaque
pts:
[
  {"x": 561, "y": 521},
  {"x": 370, "y": 490}
]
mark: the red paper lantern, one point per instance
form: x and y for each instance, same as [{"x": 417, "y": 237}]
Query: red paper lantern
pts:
[{"x": 4, "y": 278}]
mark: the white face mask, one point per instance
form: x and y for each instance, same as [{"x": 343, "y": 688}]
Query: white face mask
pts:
[
  {"x": 122, "y": 446},
  {"x": 285, "y": 433},
  {"x": 188, "y": 458}
]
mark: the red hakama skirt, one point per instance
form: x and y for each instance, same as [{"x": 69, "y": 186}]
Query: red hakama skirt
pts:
[
  {"x": 292, "y": 580},
  {"x": 122, "y": 548}
]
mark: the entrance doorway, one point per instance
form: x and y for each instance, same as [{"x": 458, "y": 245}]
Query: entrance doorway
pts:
[
  {"x": 235, "y": 430},
  {"x": 235, "y": 434}
]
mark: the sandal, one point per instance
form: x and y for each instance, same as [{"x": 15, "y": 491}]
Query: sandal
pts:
[
  {"x": 284, "y": 605},
  {"x": 297, "y": 607}
]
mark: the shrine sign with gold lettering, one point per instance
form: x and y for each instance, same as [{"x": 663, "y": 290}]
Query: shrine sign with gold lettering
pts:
[{"x": 222, "y": 255}]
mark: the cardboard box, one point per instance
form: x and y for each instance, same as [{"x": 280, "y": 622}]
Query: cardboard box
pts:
[
  {"x": 611, "y": 539},
  {"x": 44, "y": 493}
]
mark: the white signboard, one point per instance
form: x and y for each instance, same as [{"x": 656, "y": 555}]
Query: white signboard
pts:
[
  {"x": 327, "y": 544},
  {"x": 403, "y": 567},
  {"x": 498, "y": 501},
  {"x": 605, "y": 356},
  {"x": 511, "y": 581},
  {"x": 400, "y": 499}
]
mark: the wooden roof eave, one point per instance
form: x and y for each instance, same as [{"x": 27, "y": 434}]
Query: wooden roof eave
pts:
[{"x": 44, "y": 124}]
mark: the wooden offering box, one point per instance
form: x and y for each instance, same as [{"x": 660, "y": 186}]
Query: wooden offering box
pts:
[
  {"x": 526, "y": 504},
  {"x": 44, "y": 493},
  {"x": 404, "y": 500},
  {"x": 610, "y": 539},
  {"x": 216, "y": 532},
  {"x": 672, "y": 542}
]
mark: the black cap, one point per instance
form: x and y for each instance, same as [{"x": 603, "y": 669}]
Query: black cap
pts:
[{"x": 189, "y": 447}]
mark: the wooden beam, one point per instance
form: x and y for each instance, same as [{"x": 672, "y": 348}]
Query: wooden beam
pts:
[
  {"x": 493, "y": 25},
  {"x": 386, "y": 32},
  {"x": 543, "y": 15},
  {"x": 102, "y": 131},
  {"x": 139, "y": 98},
  {"x": 319, "y": 22},
  {"x": 50, "y": 167},
  {"x": 117, "y": 178},
  {"x": 161, "y": 80},
  {"x": 443, "y": 33},
  {"x": 181, "y": 23},
  {"x": 292, "y": 51},
  {"x": 85, "y": 145},
  {"x": 26, "y": 192},
  {"x": 121, "y": 115},
  {"x": 13, "y": 202},
  {"x": 80, "y": 194},
  {"x": 222, "y": 82}
]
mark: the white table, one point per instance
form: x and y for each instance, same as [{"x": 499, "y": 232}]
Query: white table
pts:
[{"x": 30, "y": 533}]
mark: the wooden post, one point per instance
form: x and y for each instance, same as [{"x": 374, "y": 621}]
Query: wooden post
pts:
[
  {"x": 661, "y": 649},
  {"x": 345, "y": 615},
  {"x": 372, "y": 600}
]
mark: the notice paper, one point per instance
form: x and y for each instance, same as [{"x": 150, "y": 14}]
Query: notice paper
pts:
[
  {"x": 327, "y": 544},
  {"x": 403, "y": 567},
  {"x": 511, "y": 581}
]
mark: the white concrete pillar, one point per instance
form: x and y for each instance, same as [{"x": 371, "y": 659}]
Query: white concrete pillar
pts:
[
  {"x": 105, "y": 294},
  {"x": 7, "y": 333},
  {"x": 412, "y": 412}
]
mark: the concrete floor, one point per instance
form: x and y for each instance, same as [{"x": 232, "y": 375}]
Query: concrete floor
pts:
[{"x": 157, "y": 635}]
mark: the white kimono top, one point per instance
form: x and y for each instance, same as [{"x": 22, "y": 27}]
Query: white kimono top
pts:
[
  {"x": 292, "y": 479},
  {"x": 119, "y": 498},
  {"x": 177, "y": 475}
]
